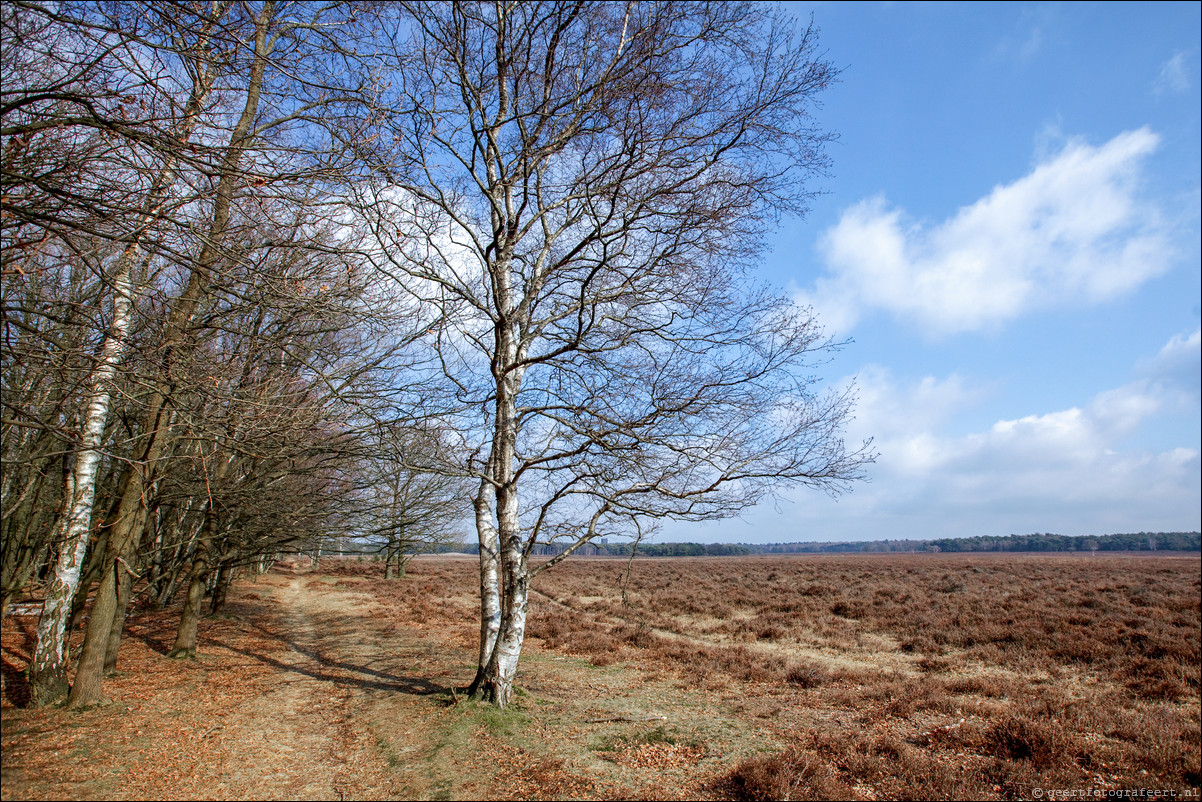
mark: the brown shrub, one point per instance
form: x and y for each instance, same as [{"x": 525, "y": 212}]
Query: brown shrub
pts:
[
  {"x": 849, "y": 609},
  {"x": 1051, "y": 655},
  {"x": 921, "y": 644},
  {"x": 1172, "y": 743},
  {"x": 988, "y": 685},
  {"x": 603, "y": 658},
  {"x": 934, "y": 665},
  {"x": 793, "y": 774},
  {"x": 746, "y": 665},
  {"x": 1043, "y": 743},
  {"x": 806, "y": 675},
  {"x": 1162, "y": 678},
  {"x": 769, "y": 632}
]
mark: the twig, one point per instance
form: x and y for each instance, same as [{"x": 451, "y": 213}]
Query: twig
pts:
[
  {"x": 945, "y": 728},
  {"x": 626, "y": 718},
  {"x": 127, "y": 567}
]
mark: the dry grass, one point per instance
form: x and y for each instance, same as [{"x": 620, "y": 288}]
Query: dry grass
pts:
[{"x": 953, "y": 676}]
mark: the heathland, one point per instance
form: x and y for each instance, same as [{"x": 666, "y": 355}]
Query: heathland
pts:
[{"x": 993, "y": 676}]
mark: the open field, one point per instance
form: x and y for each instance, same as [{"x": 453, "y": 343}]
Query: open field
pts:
[
  {"x": 870, "y": 677},
  {"x": 924, "y": 676}
]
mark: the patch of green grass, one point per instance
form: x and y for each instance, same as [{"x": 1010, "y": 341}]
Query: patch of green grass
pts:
[
  {"x": 390, "y": 756},
  {"x": 508, "y": 722}
]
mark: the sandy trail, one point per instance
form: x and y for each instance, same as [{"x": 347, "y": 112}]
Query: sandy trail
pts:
[
  {"x": 294, "y": 741},
  {"x": 276, "y": 706}
]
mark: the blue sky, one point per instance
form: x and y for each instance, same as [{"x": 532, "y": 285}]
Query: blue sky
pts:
[{"x": 1011, "y": 237}]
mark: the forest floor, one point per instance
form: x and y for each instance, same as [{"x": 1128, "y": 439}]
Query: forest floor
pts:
[{"x": 318, "y": 686}]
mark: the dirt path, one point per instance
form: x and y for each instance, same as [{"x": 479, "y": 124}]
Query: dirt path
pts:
[
  {"x": 273, "y": 708},
  {"x": 297, "y": 740}
]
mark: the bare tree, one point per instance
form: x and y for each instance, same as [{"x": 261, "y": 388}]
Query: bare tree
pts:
[
  {"x": 574, "y": 196},
  {"x": 410, "y": 502},
  {"x": 86, "y": 97},
  {"x": 268, "y": 155},
  {"x": 149, "y": 152}
]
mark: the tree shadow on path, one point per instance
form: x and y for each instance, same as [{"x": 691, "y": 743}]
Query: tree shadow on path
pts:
[{"x": 320, "y": 665}]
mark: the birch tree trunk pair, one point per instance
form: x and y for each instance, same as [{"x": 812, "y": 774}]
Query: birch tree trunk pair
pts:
[
  {"x": 575, "y": 192},
  {"x": 48, "y": 667}
]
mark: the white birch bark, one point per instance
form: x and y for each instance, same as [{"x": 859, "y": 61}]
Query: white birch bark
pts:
[
  {"x": 497, "y": 685},
  {"x": 503, "y": 665},
  {"x": 49, "y": 665},
  {"x": 48, "y": 668},
  {"x": 93, "y": 653},
  {"x": 490, "y": 593}
]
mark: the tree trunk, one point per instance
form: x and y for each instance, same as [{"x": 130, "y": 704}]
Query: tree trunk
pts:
[
  {"x": 225, "y": 577},
  {"x": 84, "y": 473},
  {"x": 48, "y": 668},
  {"x": 93, "y": 654},
  {"x": 167, "y": 594},
  {"x": 490, "y": 595},
  {"x": 185, "y": 637},
  {"x": 494, "y": 681},
  {"x": 496, "y": 685},
  {"x": 124, "y": 592},
  {"x": 88, "y": 578},
  {"x": 131, "y": 519}
]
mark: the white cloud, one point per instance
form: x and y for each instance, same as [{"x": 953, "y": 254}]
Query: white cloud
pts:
[
  {"x": 1072, "y": 231},
  {"x": 1178, "y": 365},
  {"x": 909, "y": 421},
  {"x": 927, "y": 405},
  {"x": 1073, "y": 470},
  {"x": 1174, "y": 75},
  {"x": 1079, "y": 445}
]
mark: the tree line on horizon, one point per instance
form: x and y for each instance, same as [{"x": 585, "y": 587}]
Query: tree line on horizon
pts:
[{"x": 1129, "y": 542}]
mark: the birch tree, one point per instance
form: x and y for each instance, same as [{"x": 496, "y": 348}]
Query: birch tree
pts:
[
  {"x": 142, "y": 142},
  {"x": 87, "y": 97},
  {"x": 575, "y": 192}
]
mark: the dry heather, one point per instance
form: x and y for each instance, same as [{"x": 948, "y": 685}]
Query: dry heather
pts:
[
  {"x": 926, "y": 676},
  {"x": 783, "y": 677}
]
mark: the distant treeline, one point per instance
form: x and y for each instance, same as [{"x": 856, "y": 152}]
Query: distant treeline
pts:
[{"x": 1140, "y": 541}]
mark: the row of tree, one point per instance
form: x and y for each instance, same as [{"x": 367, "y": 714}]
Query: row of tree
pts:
[
  {"x": 1141, "y": 541},
  {"x": 197, "y": 368},
  {"x": 278, "y": 272}
]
